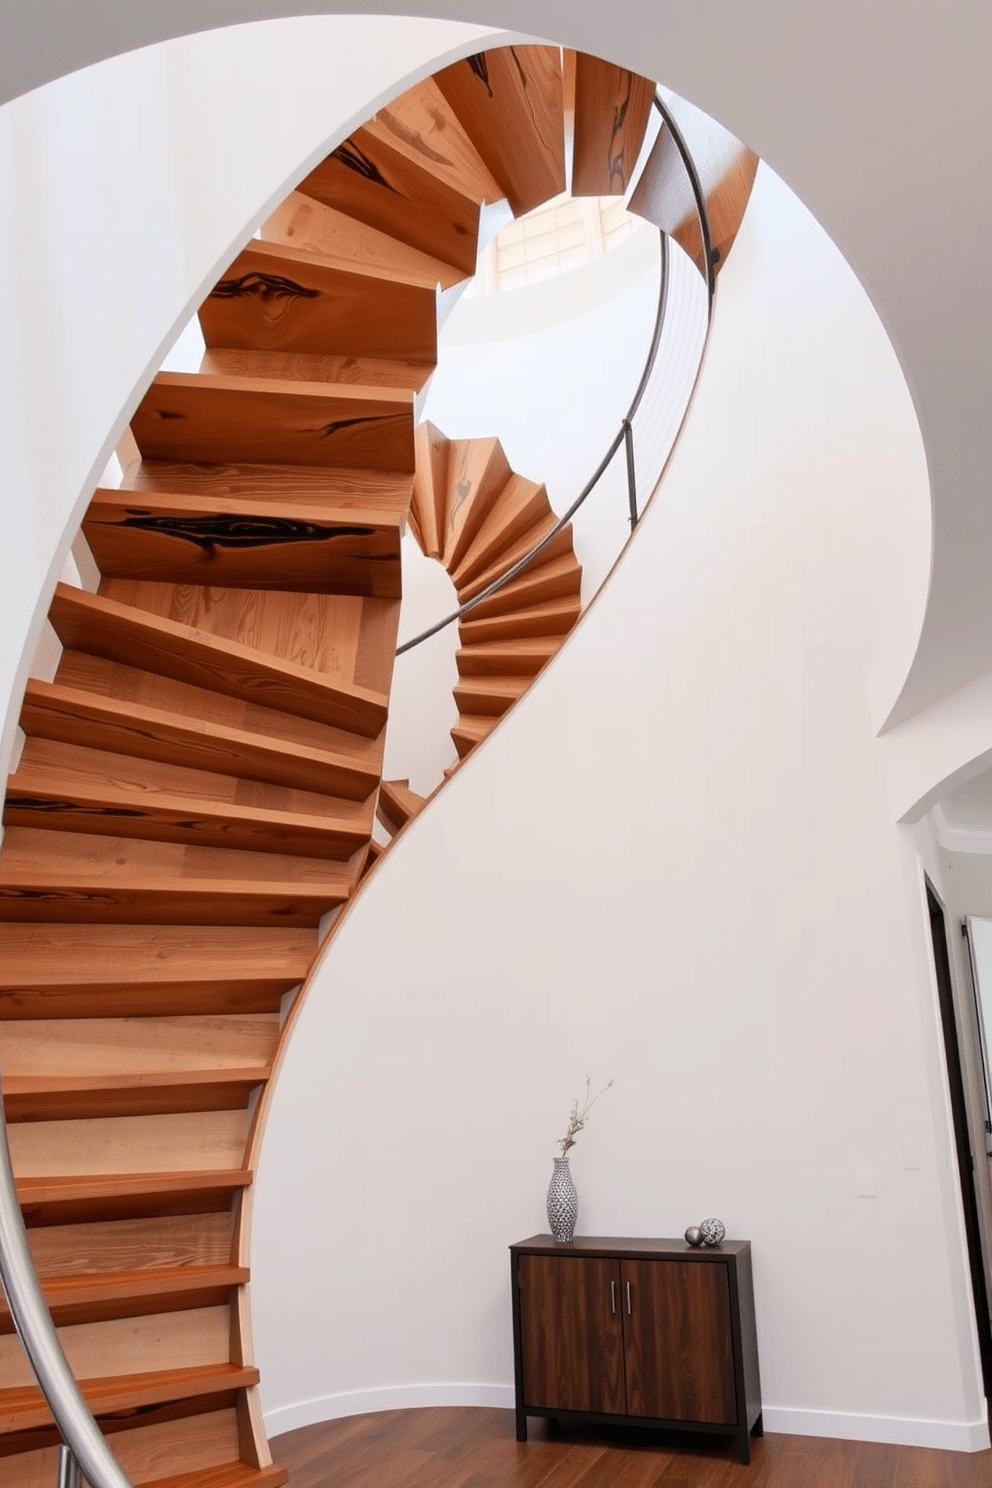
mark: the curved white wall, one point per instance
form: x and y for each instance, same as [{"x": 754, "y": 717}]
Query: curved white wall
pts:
[{"x": 674, "y": 865}]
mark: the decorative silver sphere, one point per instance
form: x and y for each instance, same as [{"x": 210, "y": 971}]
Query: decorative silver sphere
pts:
[
  {"x": 694, "y": 1236},
  {"x": 712, "y": 1231}
]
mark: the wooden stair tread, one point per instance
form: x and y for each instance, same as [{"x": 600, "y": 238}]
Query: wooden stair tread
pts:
[
  {"x": 487, "y": 694},
  {"x": 70, "y": 715},
  {"x": 281, "y": 298},
  {"x": 476, "y": 479},
  {"x": 470, "y": 730},
  {"x": 106, "y": 956},
  {"x": 107, "y": 628},
  {"x": 422, "y": 125},
  {"x": 370, "y": 180},
  {"x": 397, "y": 804},
  {"x": 525, "y": 656},
  {"x": 228, "y": 1475},
  {"x": 346, "y": 493},
  {"x": 182, "y": 538},
  {"x": 558, "y": 545},
  {"x": 90, "y": 1296},
  {"x": 520, "y": 506},
  {"x": 612, "y": 108},
  {"x": 346, "y": 243},
  {"x": 554, "y": 618},
  {"x": 71, "y": 1096},
  {"x": 509, "y": 102},
  {"x": 558, "y": 577},
  {"x": 211, "y": 419},
  {"x": 34, "y": 799},
  {"x": 24, "y": 1407},
  {"x": 337, "y": 371}
]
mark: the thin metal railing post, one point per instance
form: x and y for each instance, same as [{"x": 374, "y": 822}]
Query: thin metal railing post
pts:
[
  {"x": 70, "y": 1474},
  {"x": 628, "y": 440}
]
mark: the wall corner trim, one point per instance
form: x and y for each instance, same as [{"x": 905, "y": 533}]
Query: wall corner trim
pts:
[{"x": 389, "y": 1397}]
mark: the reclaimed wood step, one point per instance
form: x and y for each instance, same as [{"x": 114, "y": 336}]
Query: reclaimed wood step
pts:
[
  {"x": 509, "y": 102},
  {"x": 175, "y": 1437},
  {"x": 478, "y": 479},
  {"x": 79, "y": 970},
  {"x": 470, "y": 730},
  {"x": 507, "y": 657},
  {"x": 556, "y": 618},
  {"x": 519, "y": 507},
  {"x": 81, "y": 1097},
  {"x": 104, "y": 627},
  {"x": 423, "y": 126},
  {"x": 215, "y": 419},
  {"x": 557, "y": 544},
  {"x": 344, "y": 242},
  {"x": 337, "y": 494},
  {"x": 24, "y": 1407},
  {"x": 65, "y": 876},
  {"x": 612, "y": 108},
  {"x": 275, "y": 297},
  {"x": 71, "y": 716},
  {"x": 99, "y": 803},
  {"x": 228, "y": 1475},
  {"x": 427, "y": 501},
  {"x": 545, "y": 579},
  {"x": 120, "y": 1294},
  {"x": 83, "y": 1198},
  {"x": 188, "y": 539},
  {"x": 397, "y": 804},
  {"x": 374, "y": 182},
  {"x": 489, "y": 695}
]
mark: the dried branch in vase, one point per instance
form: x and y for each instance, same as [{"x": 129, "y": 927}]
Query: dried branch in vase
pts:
[{"x": 579, "y": 1115}]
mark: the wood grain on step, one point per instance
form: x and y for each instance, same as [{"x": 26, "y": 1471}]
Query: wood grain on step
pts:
[
  {"x": 372, "y": 181},
  {"x": 521, "y": 504},
  {"x": 191, "y": 417},
  {"x": 107, "y": 628},
  {"x": 509, "y": 101},
  {"x": 555, "y": 618},
  {"x": 202, "y": 540},
  {"x": 422, "y": 125},
  {"x": 74, "y": 1300},
  {"x": 477, "y": 475},
  {"x": 134, "y": 1245},
  {"x": 191, "y": 704},
  {"x": 101, "y": 1197},
  {"x": 346, "y": 243},
  {"x": 70, "y": 715},
  {"x": 274, "y": 297},
  {"x": 612, "y": 108},
  {"x": 24, "y": 1407}
]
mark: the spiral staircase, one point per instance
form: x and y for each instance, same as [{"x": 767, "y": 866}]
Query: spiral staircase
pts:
[{"x": 195, "y": 796}]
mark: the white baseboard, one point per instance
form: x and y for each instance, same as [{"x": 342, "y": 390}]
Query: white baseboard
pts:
[
  {"x": 951, "y": 1436},
  {"x": 395, "y": 1397}
]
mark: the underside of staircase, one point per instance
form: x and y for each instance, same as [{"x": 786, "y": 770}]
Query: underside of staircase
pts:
[{"x": 196, "y": 792}]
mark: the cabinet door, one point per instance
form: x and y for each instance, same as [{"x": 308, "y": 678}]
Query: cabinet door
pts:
[
  {"x": 571, "y": 1337},
  {"x": 678, "y": 1341}
]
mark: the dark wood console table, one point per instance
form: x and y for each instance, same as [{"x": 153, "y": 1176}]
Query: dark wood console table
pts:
[{"x": 637, "y": 1332}]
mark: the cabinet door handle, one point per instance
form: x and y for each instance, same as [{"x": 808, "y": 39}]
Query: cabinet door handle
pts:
[
  {"x": 628, "y": 1299},
  {"x": 613, "y": 1296}
]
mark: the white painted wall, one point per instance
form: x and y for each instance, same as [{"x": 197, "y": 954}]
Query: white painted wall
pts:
[{"x": 674, "y": 865}]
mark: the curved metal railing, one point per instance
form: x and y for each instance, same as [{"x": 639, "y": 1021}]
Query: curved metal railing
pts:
[{"x": 625, "y": 434}]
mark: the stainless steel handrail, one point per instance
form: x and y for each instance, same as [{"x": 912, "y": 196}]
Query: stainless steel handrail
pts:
[
  {"x": 624, "y": 434},
  {"x": 87, "y": 1448}
]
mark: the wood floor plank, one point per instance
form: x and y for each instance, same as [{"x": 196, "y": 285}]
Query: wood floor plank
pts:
[{"x": 475, "y": 1447}]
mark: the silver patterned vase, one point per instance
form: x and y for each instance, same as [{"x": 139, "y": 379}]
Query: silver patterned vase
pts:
[{"x": 563, "y": 1203}]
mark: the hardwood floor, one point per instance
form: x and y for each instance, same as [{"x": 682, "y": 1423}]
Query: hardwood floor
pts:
[{"x": 475, "y": 1448}]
